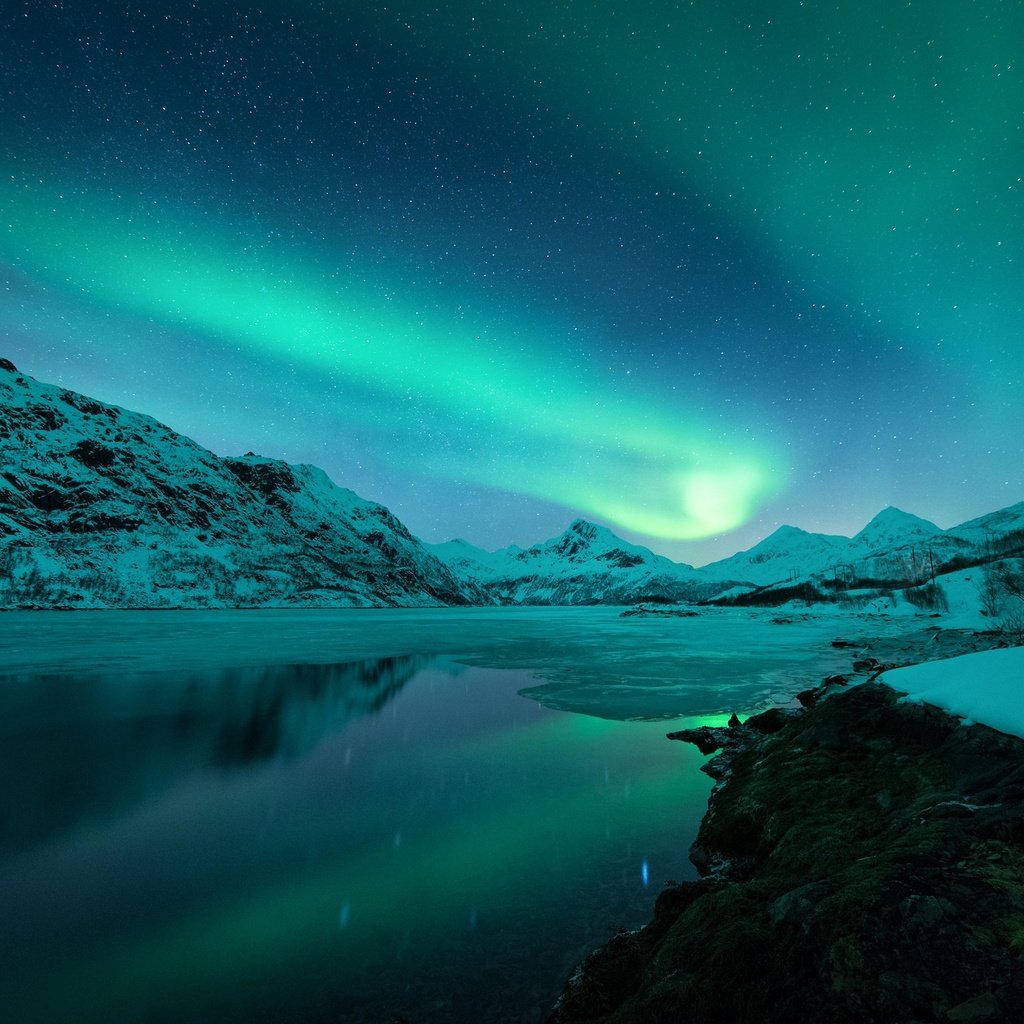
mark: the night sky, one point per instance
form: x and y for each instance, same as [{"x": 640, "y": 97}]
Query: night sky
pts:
[{"x": 690, "y": 270}]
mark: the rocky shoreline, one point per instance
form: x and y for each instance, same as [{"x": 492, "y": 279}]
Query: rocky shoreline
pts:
[{"x": 862, "y": 860}]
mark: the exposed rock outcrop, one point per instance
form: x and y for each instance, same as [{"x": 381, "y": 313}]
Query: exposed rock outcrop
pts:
[{"x": 863, "y": 864}]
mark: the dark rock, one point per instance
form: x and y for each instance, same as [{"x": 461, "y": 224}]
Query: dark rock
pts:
[
  {"x": 769, "y": 721},
  {"x": 863, "y": 864},
  {"x": 41, "y": 417},
  {"x": 836, "y": 680},
  {"x": 646, "y": 608},
  {"x": 734, "y": 722},
  {"x": 838, "y": 642},
  {"x": 982, "y": 1007},
  {"x": 609, "y": 971},
  {"x": 93, "y": 454},
  {"x": 6, "y": 364},
  {"x": 706, "y": 739},
  {"x": 797, "y": 905},
  {"x": 808, "y": 698},
  {"x": 272, "y": 480},
  {"x": 865, "y": 665},
  {"x": 83, "y": 403},
  {"x": 622, "y": 559}
]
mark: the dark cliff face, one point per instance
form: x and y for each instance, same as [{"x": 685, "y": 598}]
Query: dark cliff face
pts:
[{"x": 865, "y": 864}]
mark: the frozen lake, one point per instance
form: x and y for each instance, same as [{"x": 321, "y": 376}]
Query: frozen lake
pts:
[{"x": 312, "y": 816}]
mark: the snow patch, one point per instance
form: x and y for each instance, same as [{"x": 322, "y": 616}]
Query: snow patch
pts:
[{"x": 987, "y": 687}]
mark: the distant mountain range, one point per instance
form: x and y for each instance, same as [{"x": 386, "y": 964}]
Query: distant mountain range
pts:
[
  {"x": 103, "y": 507},
  {"x": 895, "y": 547},
  {"x": 587, "y": 564}
]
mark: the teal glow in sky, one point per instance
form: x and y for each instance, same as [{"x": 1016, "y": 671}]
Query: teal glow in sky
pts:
[{"x": 691, "y": 271}]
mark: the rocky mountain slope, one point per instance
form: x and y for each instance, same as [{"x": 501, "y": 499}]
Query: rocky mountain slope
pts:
[
  {"x": 877, "y": 551},
  {"x": 103, "y": 507},
  {"x": 587, "y": 564},
  {"x": 786, "y": 555},
  {"x": 895, "y": 548}
]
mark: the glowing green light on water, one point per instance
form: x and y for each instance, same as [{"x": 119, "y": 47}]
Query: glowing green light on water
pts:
[
  {"x": 370, "y": 899},
  {"x": 538, "y": 425}
]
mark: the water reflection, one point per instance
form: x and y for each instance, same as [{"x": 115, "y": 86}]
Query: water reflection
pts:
[
  {"x": 351, "y": 842},
  {"x": 284, "y": 855},
  {"x": 287, "y": 710},
  {"x": 78, "y": 749}
]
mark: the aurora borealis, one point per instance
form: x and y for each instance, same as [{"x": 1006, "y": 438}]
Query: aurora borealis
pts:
[{"x": 692, "y": 270}]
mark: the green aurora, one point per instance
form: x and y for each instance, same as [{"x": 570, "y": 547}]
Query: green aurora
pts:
[
  {"x": 684, "y": 268},
  {"x": 588, "y": 447}
]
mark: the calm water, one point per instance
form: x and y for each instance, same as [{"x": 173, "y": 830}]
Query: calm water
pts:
[{"x": 349, "y": 816}]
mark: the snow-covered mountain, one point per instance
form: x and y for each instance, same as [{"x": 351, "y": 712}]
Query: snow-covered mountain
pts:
[
  {"x": 587, "y": 564},
  {"x": 892, "y": 529},
  {"x": 787, "y": 555},
  {"x": 470, "y": 562},
  {"x": 894, "y": 546},
  {"x": 103, "y": 507},
  {"x": 991, "y": 529}
]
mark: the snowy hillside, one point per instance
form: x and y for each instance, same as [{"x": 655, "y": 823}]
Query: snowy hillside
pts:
[
  {"x": 893, "y": 528},
  {"x": 587, "y": 564},
  {"x": 470, "y": 562},
  {"x": 102, "y": 507},
  {"x": 787, "y": 555},
  {"x": 895, "y": 546},
  {"x": 989, "y": 529}
]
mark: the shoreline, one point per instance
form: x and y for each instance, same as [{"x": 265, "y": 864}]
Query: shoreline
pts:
[{"x": 862, "y": 861}]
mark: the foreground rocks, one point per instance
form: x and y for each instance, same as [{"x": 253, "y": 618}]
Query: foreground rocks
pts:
[{"x": 863, "y": 863}]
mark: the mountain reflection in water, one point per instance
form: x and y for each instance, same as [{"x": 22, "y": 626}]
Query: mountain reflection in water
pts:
[
  {"x": 74, "y": 750},
  {"x": 204, "y": 822}
]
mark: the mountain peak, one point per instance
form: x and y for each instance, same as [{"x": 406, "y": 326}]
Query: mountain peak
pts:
[
  {"x": 892, "y": 520},
  {"x": 892, "y": 513},
  {"x": 577, "y": 539},
  {"x": 785, "y": 530}
]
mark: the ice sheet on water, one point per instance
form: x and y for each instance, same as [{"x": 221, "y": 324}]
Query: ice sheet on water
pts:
[{"x": 590, "y": 660}]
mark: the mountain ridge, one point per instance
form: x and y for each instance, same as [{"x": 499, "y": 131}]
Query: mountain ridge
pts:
[
  {"x": 101, "y": 506},
  {"x": 104, "y": 507},
  {"x": 585, "y": 564}
]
